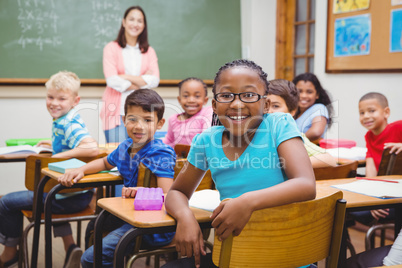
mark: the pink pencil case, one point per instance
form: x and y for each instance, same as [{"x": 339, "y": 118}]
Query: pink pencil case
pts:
[{"x": 149, "y": 199}]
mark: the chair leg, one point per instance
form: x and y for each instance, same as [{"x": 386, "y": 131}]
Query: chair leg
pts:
[
  {"x": 79, "y": 233},
  {"x": 370, "y": 235},
  {"x": 24, "y": 245},
  {"x": 156, "y": 261}
]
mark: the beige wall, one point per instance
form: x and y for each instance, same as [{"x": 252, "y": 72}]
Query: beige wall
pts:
[{"x": 23, "y": 112}]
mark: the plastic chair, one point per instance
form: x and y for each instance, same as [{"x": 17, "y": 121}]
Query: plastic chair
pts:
[
  {"x": 391, "y": 164},
  {"x": 287, "y": 236},
  {"x": 146, "y": 178},
  {"x": 341, "y": 171},
  {"x": 34, "y": 165},
  {"x": 182, "y": 150}
]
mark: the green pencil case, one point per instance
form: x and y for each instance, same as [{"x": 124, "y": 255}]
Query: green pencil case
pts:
[{"x": 15, "y": 142}]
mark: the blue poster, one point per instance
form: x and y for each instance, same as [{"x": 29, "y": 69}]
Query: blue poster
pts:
[
  {"x": 396, "y": 30},
  {"x": 352, "y": 36}
]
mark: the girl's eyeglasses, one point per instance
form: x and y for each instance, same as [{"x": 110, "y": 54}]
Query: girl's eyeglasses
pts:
[{"x": 248, "y": 97}]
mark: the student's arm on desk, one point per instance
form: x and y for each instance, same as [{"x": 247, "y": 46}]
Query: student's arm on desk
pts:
[
  {"x": 189, "y": 239},
  {"x": 164, "y": 183},
  {"x": 322, "y": 160},
  {"x": 73, "y": 176},
  {"x": 317, "y": 128},
  {"x": 371, "y": 170},
  {"x": 88, "y": 147}
]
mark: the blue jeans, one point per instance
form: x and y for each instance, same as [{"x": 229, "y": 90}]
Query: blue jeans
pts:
[
  {"x": 12, "y": 220},
  {"x": 110, "y": 241},
  {"x": 117, "y": 134}
]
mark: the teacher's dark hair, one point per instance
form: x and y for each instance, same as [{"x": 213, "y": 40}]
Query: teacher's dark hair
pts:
[{"x": 142, "y": 38}]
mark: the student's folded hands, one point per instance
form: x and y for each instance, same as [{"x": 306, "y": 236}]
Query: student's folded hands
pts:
[
  {"x": 70, "y": 177},
  {"x": 230, "y": 217}
]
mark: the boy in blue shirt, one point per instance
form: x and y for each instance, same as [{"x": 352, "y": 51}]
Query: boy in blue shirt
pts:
[
  {"x": 143, "y": 110},
  {"x": 70, "y": 138}
]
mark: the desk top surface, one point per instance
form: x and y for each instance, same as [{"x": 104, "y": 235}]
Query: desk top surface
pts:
[
  {"x": 97, "y": 177},
  {"x": 123, "y": 208},
  {"x": 354, "y": 200}
]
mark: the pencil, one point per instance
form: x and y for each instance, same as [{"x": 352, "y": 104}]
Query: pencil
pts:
[{"x": 374, "y": 179}]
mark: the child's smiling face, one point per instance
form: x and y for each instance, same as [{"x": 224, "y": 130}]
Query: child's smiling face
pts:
[
  {"x": 373, "y": 116},
  {"x": 308, "y": 94},
  {"x": 237, "y": 116},
  {"x": 192, "y": 97},
  {"x": 141, "y": 125}
]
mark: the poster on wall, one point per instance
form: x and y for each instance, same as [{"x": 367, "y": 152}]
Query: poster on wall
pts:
[
  {"x": 344, "y": 6},
  {"x": 396, "y": 31},
  {"x": 352, "y": 36},
  {"x": 396, "y": 2}
]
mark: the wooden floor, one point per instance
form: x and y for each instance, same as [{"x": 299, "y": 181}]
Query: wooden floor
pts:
[{"x": 357, "y": 237}]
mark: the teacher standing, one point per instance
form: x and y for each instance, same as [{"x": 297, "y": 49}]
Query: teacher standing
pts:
[{"x": 129, "y": 63}]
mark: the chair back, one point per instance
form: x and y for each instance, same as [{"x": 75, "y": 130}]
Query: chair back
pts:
[
  {"x": 341, "y": 171},
  {"x": 287, "y": 236},
  {"x": 147, "y": 179},
  {"x": 182, "y": 150},
  {"x": 391, "y": 164}
]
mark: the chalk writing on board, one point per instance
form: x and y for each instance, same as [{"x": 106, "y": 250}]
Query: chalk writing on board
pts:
[
  {"x": 38, "y": 24},
  {"x": 106, "y": 19}
]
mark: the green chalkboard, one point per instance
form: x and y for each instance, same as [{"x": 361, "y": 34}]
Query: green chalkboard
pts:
[{"x": 41, "y": 37}]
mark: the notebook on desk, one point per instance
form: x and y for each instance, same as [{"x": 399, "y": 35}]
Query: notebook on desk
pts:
[
  {"x": 205, "y": 199},
  {"x": 66, "y": 165},
  {"x": 379, "y": 189}
]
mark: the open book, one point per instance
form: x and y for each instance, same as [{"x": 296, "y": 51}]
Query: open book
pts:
[
  {"x": 380, "y": 189},
  {"x": 354, "y": 153},
  {"x": 24, "y": 149},
  {"x": 205, "y": 199}
]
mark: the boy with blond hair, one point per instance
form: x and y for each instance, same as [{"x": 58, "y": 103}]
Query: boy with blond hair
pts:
[{"x": 70, "y": 138}]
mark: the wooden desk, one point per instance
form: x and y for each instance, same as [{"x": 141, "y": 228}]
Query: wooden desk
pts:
[
  {"x": 17, "y": 157},
  {"x": 148, "y": 222},
  {"x": 93, "y": 180},
  {"x": 357, "y": 202},
  {"x": 341, "y": 161}
]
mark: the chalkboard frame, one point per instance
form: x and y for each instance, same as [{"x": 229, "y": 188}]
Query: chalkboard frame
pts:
[{"x": 31, "y": 77}]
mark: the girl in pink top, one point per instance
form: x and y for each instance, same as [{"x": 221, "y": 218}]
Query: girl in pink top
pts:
[
  {"x": 184, "y": 126},
  {"x": 129, "y": 63}
]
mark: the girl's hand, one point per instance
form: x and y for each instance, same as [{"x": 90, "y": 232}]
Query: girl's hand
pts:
[
  {"x": 379, "y": 213},
  {"x": 189, "y": 239},
  {"x": 395, "y": 147},
  {"x": 230, "y": 217},
  {"x": 70, "y": 177},
  {"x": 129, "y": 192}
]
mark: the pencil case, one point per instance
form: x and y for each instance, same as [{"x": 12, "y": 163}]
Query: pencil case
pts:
[
  {"x": 336, "y": 143},
  {"x": 149, "y": 199}
]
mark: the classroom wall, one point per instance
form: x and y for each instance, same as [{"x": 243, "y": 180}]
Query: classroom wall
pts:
[{"x": 23, "y": 112}]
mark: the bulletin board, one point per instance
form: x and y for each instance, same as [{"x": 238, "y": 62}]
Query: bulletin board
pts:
[{"x": 359, "y": 38}]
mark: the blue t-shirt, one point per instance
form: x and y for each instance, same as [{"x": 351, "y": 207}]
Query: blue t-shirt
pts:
[
  {"x": 155, "y": 155},
  {"x": 257, "y": 168},
  {"x": 68, "y": 131},
  {"x": 304, "y": 122}
]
